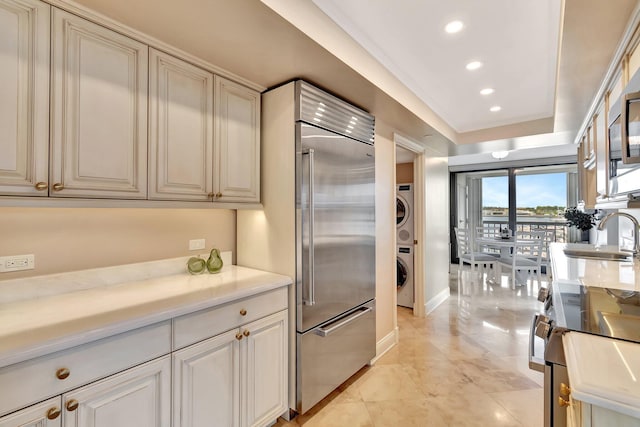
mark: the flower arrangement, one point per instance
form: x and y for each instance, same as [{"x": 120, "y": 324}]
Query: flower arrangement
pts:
[{"x": 581, "y": 220}]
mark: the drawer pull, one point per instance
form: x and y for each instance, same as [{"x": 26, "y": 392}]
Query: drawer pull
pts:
[
  {"x": 72, "y": 405},
  {"x": 218, "y": 195},
  {"x": 243, "y": 312},
  {"x": 63, "y": 373},
  {"x": 563, "y": 403},
  {"x": 58, "y": 186},
  {"x": 238, "y": 336},
  {"x": 246, "y": 333},
  {"x": 565, "y": 389},
  {"x": 41, "y": 186},
  {"x": 53, "y": 413}
]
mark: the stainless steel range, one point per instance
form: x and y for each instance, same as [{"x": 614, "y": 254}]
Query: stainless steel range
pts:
[{"x": 595, "y": 310}]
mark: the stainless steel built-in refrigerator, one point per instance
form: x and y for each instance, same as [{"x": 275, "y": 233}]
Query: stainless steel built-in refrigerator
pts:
[{"x": 335, "y": 242}]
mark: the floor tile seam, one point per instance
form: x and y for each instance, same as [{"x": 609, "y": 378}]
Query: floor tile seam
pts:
[{"x": 514, "y": 416}]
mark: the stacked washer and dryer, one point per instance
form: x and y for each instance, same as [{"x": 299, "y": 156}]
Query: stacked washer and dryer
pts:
[{"x": 404, "y": 224}]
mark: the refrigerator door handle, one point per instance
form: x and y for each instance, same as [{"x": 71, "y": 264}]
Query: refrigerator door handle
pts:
[
  {"x": 311, "y": 295},
  {"x": 344, "y": 321},
  {"x": 535, "y": 363}
]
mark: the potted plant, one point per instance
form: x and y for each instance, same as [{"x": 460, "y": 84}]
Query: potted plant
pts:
[{"x": 581, "y": 220}]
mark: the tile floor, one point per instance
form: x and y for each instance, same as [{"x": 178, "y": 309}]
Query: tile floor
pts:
[{"x": 463, "y": 365}]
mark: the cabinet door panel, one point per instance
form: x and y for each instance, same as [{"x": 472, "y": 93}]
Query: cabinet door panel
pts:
[
  {"x": 237, "y": 142},
  {"x": 137, "y": 397},
  {"x": 206, "y": 383},
  {"x": 181, "y": 129},
  {"x": 267, "y": 364},
  {"x": 99, "y": 111},
  {"x": 34, "y": 416},
  {"x": 24, "y": 96}
]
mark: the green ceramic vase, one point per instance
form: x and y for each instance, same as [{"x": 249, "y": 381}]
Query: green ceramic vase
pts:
[{"x": 196, "y": 265}]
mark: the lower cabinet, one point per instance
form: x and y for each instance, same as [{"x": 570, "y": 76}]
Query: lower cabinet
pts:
[
  {"x": 139, "y": 396},
  {"x": 583, "y": 414},
  {"x": 43, "y": 414},
  {"x": 238, "y": 378}
]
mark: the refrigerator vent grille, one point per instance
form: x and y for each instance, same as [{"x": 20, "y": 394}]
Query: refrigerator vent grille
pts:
[{"x": 326, "y": 111}]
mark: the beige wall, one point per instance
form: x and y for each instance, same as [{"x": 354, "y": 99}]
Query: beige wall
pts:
[
  {"x": 404, "y": 173},
  {"x": 385, "y": 232},
  {"x": 65, "y": 239}
]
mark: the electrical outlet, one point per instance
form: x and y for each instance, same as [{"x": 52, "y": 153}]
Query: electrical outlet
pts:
[
  {"x": 17, "y": 263},
  {"x": 196, "y": 244}
]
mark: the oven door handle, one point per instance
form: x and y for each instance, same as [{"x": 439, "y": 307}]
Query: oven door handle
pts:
[{"x": 535, "y": 363}]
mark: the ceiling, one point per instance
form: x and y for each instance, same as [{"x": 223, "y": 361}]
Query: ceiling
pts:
[
  {"x": 271, "y": 41},
  {"x": 516, "y": 41}
]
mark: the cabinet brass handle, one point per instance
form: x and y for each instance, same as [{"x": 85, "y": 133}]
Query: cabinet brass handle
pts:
[
  {"x": 211, "y": 195},
  {"x": 218, "y": 195},
  {"x": 58, "y": 186},
  {"x": 563, "y": 403},
  {"x": 243, "y": 312},
  {"x": 41, "y": 186},
  {"x": 63, "y": 373},
  {"x": 246, "y": 333},
  {"x": 72, "y": 405},
  {"x": 238, "y": 336},
  {"x": 53, "y": 413},
  {"x": 565, "y": 389}
]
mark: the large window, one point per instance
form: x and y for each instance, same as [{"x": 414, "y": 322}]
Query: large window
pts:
[{"x": 522, "y": 199}]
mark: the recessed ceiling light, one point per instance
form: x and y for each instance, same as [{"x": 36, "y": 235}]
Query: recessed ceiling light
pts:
[
  {"x": 486, "y": 91},
  {"x": 495, "y": 108},
  {"x": 454, "y": 27},
  {"x": 474, "y": 65},
  {"x": 499, "y": 154}
]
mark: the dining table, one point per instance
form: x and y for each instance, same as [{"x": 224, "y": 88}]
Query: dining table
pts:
[{"x": 506, "y": 246}]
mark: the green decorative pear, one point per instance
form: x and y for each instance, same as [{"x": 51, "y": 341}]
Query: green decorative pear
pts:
[{"x": 214, "y": 263}]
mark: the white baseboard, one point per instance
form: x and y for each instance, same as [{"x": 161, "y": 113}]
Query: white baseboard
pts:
[
  {"x": 434, "y": 302},
  {"x": 385, "y": 344}
]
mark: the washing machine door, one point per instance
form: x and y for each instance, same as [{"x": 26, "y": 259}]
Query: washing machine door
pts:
[
  {"x": 402, "y": 273},
  {"x": 402, "y": 211}
]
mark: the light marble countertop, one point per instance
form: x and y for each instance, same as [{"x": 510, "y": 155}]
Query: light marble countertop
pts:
[
  {"x": 604, "y": 371},
  {"x": 43, "y": 314},
  {"x": 624, "y": 275}
]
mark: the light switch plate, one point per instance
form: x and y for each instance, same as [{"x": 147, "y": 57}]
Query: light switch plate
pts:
[{"x": 196, "y": 244}]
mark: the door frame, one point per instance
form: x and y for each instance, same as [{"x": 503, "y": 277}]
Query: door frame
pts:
[{"x": 419, "y": 220}]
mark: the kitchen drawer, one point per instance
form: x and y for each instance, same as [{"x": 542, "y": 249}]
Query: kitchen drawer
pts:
[
  {"x": 28, "y": 382},
  {"x": 194, "y": 327}
]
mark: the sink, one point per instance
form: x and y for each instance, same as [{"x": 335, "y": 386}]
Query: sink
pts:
[{"x": 593, "y": 252}]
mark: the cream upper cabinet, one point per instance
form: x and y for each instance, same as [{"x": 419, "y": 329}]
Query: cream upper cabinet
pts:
[
  {"x": 237, "y": 142},
  {"x": 602, "y": 148},
  {"x": 140, "y": 396},
  {"x": 24, "y": 97},
  {"x": 99, "y": 111},
  {"x": 43, "y": 414},
  {"x": 180, "y": 129}
]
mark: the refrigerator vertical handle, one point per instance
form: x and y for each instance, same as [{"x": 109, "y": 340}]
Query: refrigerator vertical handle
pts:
[{"x": 311, "y": 289}]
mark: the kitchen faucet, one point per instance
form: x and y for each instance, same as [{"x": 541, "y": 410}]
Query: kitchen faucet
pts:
[{"x": 636, "y": 229}]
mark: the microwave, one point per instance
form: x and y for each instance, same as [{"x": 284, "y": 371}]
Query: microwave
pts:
[{"x": 624, "y": 141}]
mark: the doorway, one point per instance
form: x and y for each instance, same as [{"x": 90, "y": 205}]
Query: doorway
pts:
[{"x": 405, "y": 228}]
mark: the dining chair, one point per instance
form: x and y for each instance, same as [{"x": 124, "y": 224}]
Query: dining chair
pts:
[
  {"x": 468, "y": 254},
  {"x": 525, "y": 257},
  {"x": 489, "y": 232}
]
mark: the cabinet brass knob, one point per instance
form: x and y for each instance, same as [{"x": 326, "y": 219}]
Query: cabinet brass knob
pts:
[
  {"x": 243, "y": 312},
  {"x": 565, "y": 389},
  {"x": 58, "y": 186},
  {"x": 238, "y": 336},
  {"x": 53, "y": 413},
  {"x": 218, "y": 195},
  {"x": 563, "y": 403},
  {"x": 246, "y": 333},
  {"x": 41, "y": 186},
  {"x": 211, "y": 195},
  {"x": 63, "y": 373},
  {"x": 72, "y": 405}
]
